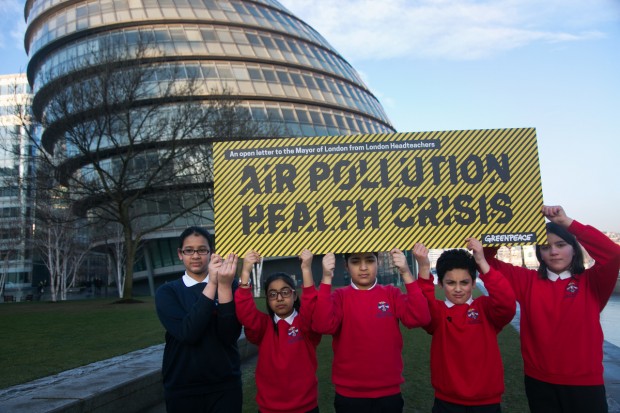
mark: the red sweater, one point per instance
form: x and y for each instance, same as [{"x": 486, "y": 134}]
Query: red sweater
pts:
[
  {"x": 466, "y": 365},
  {"x": 286, "y": 368},
  {"x": 561, "y": 335},
  {"x": 367, "y": 341}
]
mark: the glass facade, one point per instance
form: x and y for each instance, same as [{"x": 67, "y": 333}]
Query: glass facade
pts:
[
  {"x": 282, "y": 71},
  {"x": 15, "y": 193}
]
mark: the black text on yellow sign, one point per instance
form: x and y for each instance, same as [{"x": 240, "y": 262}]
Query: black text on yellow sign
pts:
[{"x": 377, "y": 192}]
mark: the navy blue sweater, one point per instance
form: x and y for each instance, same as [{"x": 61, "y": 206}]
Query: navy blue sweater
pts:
[{"x": 201, "y": 354}]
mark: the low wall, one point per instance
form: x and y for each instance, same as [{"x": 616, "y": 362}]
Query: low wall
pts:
[{"x": 129, "y": 384}]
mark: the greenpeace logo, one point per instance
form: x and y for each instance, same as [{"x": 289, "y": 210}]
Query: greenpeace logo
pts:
[{"x": 529, "y": 237}]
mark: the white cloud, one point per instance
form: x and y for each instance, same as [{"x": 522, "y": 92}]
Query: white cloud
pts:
[{"x": 449, "y": 29}]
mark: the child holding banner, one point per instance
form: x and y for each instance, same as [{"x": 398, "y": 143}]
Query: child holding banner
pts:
[
  {"x": 561, "y": 335},
  {"x": 466, "y": 365},
  {"x": 201, "y": 364},
  {"x": 286, "y": 368},
  {"x": 364, "y": 321}
]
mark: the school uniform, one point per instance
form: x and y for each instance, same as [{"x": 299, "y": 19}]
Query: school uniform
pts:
[
  {"x": 466, "y": 364},
  {"x": 367, "y": 341},
  {"x": 286, "y": 368},
  {"x": 201, "y": 363},
  {"x": 561, "y": 334}
]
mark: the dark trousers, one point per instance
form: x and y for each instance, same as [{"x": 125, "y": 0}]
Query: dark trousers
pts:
[
  {"x": 387, "y": 404},
  {"x": 545, "y": 397},
  {"x": 227, "y": 401},
  {"x": 441, "y": 406}
]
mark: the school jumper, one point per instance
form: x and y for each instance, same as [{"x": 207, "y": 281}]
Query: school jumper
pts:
[
  {"x": 367, "y": 341},
  {"x": 466, "y": 365},
  {"x": 561, "y": 335},
  {"x": 286, "y": 368},
  {"x": 201, "y": 354}
]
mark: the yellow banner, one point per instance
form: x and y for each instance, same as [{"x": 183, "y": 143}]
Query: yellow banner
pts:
[{"x": 378, "y": 192}]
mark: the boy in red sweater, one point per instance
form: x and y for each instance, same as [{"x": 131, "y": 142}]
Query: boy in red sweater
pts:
[
  {"x": 364, "y": 321},
  {"x": 466, "y": 366},
  {"x": 286, "y": 369}
]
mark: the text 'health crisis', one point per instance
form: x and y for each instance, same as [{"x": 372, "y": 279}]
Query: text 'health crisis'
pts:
[{"x": 408, "y": 208}]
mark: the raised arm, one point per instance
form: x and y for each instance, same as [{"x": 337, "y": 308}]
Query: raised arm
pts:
[
  {"x": 309, "y": 296},
  {"x": 400, "y": 262},
  {"x": 412, "y": 307},
  {"x": 254, "y": 321},
  {"x": 327, "y": 315},
  {"x": 224, "y": 270},
  {"x": 518, "y": 277},
  {"x": 502, "y": 299},
  {"x": 306, "y": 268},
  {"x": 251, "y": 258},
  {"x": 603, "y": 276},
  {"x": 420, "y": 253}
]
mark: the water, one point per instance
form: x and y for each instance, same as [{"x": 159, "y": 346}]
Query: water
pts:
[{"x": 610, "y": 320}]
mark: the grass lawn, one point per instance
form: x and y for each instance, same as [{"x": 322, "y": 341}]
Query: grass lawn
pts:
[
  {"x": 42, "y": 338},
  {"x": 45, "y": 338}
]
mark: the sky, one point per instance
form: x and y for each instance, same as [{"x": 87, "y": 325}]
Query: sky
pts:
[{"x": 478, "y": 64}]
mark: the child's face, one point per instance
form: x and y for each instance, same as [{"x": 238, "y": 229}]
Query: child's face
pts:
[
  {"x": 196, "y": 264},
  {"x": 557, "y": 253},
  {"x": 363, "y": 269},
  {"x": 457, "y": 285},
  {"x": 280, "y": 305}
]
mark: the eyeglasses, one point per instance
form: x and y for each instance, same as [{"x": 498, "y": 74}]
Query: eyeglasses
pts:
[
  {"x": 285, "y": 293},
  {"x": 191, "y": 251}
]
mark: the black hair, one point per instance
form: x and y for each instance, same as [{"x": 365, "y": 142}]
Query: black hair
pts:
[
  {"x": 456, "y": 259},
  {"x": 348, "y": 254},
  {"x": 196, "y": 231},
  {"x": 291, "y": 283},
  {"x": 576, "y": 264}
]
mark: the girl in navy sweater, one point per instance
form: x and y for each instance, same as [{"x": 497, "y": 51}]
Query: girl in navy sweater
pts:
[
  {"x": 201, "y": 365},
  {"x": 286, "y": 368}
]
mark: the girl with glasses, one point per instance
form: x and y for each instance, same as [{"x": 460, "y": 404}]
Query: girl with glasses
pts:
[
  {"x": 286, "y": 368},
  {"x": 201, "y": 365}
]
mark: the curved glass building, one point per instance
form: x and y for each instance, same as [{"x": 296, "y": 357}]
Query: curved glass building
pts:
[{"x": 282, "y": 71}]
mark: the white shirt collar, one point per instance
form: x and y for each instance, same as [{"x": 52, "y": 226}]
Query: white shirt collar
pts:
[
  {"x": 357, "y": 288},
  {"x": 450, "y": 304},
  {"x": 288, "y": 319},
  {"x": 190, "y": 282},
  {"x": 564, "y": 275}
]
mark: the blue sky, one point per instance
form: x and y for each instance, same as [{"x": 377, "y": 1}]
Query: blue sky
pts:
[{"x": 478, "y": 64}]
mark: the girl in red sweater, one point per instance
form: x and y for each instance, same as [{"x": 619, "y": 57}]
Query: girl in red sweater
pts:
[
  {"x": 286, "y": 368},
  {"x": 561, "y": 335}
]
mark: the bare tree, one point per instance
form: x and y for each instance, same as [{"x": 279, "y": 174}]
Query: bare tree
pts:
[
  {"x": 116, "y": 248},
  {"x": 129, "y": 140}
]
